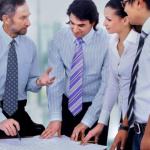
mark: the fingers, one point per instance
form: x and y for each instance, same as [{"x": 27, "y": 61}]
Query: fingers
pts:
[
  {"x": 114, "y": 145},
  {"x": 49, "y": 70},
  {"x": 59, "y": 133},
  {"x": 50, "y": 135},
  {"x": 10, "y": 129},
  {"x": 45, "y": 133},
  {"x": 82, "y": 135},
  {"x": 6, "y": 132},
  {"x": 118, "y": 146},
  {"x": 46, "y": 81},
  {"x": 86, "y": 139},
  {"x": 74, "y": 136},
  {"x": 122, "y": 144},
  {"x": 16, "y": 124},
  {"x": 96, "y": 139}
]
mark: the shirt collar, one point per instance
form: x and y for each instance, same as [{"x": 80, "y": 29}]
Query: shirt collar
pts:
[
  {"x": 146, "y": 27},
  {"x": 87, "y": 38},
  {"x": 7, "y": 39},
  {"x": 132, "y": 37}
]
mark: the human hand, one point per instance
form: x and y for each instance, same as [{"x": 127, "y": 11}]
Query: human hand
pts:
[
  {"x": 95, "y": 132},
  {"x": 52, "y": 128},
  {"x": 80, "y": 128},
  {"x": 44, "y": 80},
  {"x": 8, "y": 127},
  {"x": 120, "y": 137}
]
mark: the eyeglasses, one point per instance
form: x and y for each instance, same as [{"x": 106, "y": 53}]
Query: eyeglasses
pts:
[{"x": 123, "y": 3}]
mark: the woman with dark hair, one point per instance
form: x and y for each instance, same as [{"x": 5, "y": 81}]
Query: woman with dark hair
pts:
[{"x": 123, "y": 47}]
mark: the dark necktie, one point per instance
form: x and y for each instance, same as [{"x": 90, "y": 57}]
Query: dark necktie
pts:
[
  {"x": 130, "y": 112},
  {"x": 75, "y": 96},
  {"x": 10, "y": 99}
]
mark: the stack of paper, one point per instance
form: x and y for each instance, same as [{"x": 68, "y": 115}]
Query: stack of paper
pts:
[{"x": 54, "y": 143}]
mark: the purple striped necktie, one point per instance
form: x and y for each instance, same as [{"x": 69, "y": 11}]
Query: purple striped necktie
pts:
[{"x": 75, "y": 90}]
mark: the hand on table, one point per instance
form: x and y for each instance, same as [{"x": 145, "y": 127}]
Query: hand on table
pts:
[
  {"x": 44, "y": 80},
  {"x": 8, "y": 127},
  {"x": 95, "y": 132},
  {"x": 52, "y": 128},
  {"x": 80, "y": 128}
]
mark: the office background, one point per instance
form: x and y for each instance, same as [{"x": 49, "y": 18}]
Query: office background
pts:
[{"x": 47, "y": 17}]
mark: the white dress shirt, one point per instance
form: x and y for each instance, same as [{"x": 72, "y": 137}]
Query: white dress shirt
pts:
[
  {"x": 119, "y": 75},
  {"x": 142, "y": 92},
  {"x": 28, "y": 67}
]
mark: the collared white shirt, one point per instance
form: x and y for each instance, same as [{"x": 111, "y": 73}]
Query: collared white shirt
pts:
[
  {"x": 142, "y": 93},
  {"x": 119, "y": 75}
]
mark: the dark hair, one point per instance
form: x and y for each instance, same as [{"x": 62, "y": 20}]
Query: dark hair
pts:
[
  {"x": 146, "y": 1},
  {"x": 84, "y": 10},
  {"x": 116, "y": 5},
  {"x": 8, "y": 7}
]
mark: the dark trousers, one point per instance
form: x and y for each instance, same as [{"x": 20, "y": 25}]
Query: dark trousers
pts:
[
  {"x": 69, "y": 122},
  {"x": 137, "y": 141},
  {"x": 27, "y": 126}
]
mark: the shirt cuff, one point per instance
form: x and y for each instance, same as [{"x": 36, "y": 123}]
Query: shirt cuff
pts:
[
  {"x": 88, "y": 120},
  {"x": 2, "y": 116},
  {"x": 104, "y": 117},
  {"x": 35, "y": 86},
  {"x": 55, "y": 116}
]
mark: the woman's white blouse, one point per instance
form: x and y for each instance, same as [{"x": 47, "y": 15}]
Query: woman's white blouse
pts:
[{"x": 119, "y": 75}]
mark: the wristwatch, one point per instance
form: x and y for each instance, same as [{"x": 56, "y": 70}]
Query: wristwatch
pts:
[{"x": 122, "y": 127}]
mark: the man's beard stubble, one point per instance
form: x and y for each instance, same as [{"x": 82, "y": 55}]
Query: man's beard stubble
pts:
[{"x": 17, "y": 32}]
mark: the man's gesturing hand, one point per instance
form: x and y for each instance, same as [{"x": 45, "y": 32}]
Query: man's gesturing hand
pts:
[{"x": 44, "y": 80}]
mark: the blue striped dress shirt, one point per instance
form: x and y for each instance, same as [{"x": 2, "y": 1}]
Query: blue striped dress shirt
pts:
[
  {"x": 95, "y": 71},
  {"x": 28, "y": 67}
]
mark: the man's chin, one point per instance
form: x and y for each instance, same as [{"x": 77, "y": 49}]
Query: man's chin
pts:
[
  {"x": 77, "y": 36},
  {"x": 23, "y": 32}
]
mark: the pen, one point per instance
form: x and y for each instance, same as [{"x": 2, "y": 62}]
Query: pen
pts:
[
  {"x": 87, "y": 141},
  {"x": 18, "y": 133}
]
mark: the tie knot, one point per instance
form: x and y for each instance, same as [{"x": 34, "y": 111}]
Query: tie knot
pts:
[
  {"x": 78, "y": 41},
  {"x": 13, "y": 42}
]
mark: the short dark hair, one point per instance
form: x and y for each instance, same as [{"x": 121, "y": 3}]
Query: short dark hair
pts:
[
  {"x": 146, "y": 1},
  {"x": 84, "y": 10},
  {"x": 8, "y": 7}
]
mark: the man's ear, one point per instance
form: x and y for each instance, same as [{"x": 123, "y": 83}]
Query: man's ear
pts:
[
  {"x": 140, "y": 4},
  {"x": 93, "y": 23},
  {"x": 6, "y": 19}
]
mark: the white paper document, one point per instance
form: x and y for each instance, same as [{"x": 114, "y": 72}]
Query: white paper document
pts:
[{"x": 54, "y": 143}]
